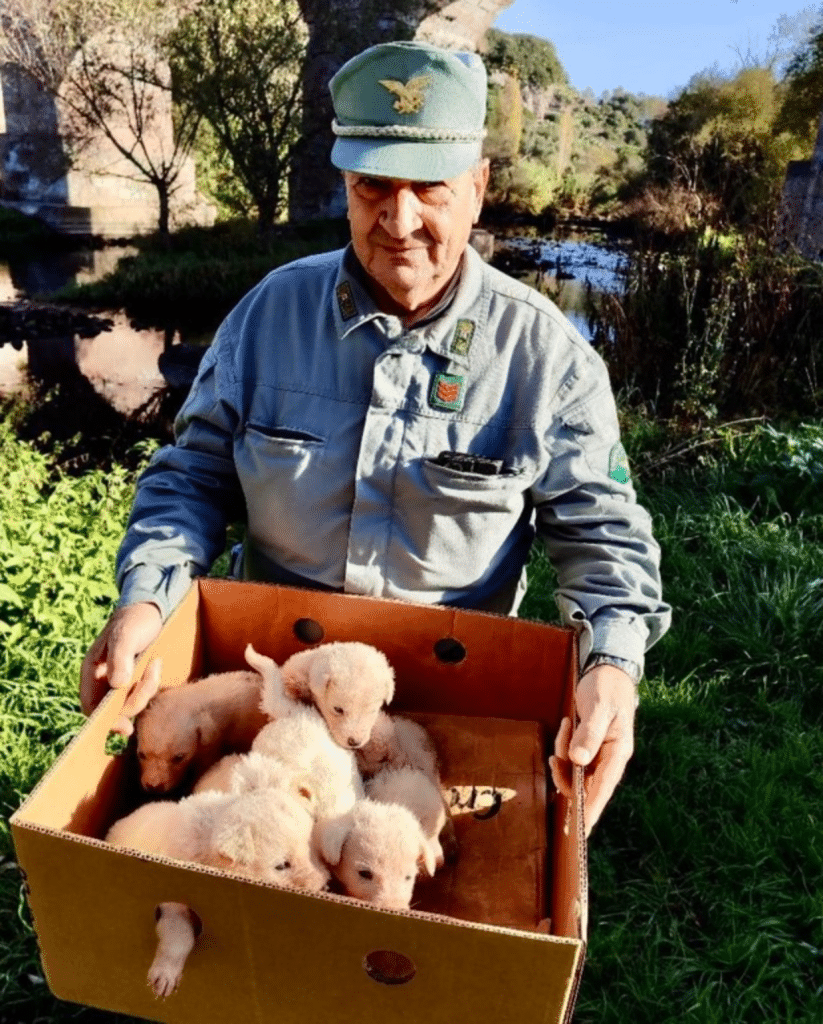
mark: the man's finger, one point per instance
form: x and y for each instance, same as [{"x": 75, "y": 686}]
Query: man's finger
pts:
[
  {"x": 589, "y": 735},
  {"x": 603, "y": 778}
]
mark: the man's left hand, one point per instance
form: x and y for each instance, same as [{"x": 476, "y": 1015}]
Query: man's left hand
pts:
[{"x": 602, "y": 743}]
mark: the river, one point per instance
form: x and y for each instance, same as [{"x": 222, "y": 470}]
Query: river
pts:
[{"x": 122, "y": 362}]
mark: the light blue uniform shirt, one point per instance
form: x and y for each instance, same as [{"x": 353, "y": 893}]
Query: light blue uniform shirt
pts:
[{"x": 317, "y": 419}]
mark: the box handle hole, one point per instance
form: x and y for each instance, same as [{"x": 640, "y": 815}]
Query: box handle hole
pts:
[
  {"x": 449, "y": 650},
  {"x": 308, "y": 631},
  {"x": 388, "y": 967}
]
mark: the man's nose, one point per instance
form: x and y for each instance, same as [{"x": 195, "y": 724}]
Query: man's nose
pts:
[{"x": 401, "y": 213}]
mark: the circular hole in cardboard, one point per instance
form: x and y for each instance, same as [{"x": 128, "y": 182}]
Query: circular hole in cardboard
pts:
[
  {"x": 388, "y": 967},
  {"x": 309, "y": 631},
  {"x": 449, "y": 650}
]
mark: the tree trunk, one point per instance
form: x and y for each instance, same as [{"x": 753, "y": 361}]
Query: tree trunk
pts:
[{"x": 338, "y": 29}]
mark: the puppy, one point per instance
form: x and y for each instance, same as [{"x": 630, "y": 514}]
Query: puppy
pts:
[
  {"x": 415, "y": 790},
  {"x": 375, "y": 851},
  {"x": 266, "y": 836},
  {"x": 348, "y": 683},
  {"x": 184, "y": 729},
  {"x": 397, "y": 742}
]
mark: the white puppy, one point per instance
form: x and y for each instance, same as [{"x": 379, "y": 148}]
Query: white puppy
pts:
[
  {"x": 397, "y": 742},
  {"x": 265, "y": 836},
  {"x": 299, "y": 753},
  {"x": 415, "y": 790},
  {"x": 348, "y": 683},
  {"x": 375, "y": 851}
]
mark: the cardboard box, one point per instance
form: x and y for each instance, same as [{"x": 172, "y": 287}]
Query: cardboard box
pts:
[{"x": 271, "y": 955}]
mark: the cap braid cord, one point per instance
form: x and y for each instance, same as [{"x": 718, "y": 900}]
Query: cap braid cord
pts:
[{"x": 405, "y": 131}]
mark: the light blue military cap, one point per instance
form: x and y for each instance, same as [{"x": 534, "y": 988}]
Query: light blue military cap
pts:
[{"x": 409, "y": 110}]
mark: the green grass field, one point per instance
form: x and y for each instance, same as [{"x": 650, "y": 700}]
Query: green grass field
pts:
[{"x": 706, "y": 873}]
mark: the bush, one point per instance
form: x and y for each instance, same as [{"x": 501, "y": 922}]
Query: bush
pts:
[{"x": 709, "y": 332}]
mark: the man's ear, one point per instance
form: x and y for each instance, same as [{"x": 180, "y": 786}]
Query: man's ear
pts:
[{"x": 481, "y": 181}]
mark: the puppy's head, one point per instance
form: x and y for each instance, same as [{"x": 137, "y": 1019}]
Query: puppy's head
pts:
[
  {"x": 375, "y": 852},
  {"x": 167, "y": 743},
  {"x": 267, "y": 836},
  {"x": 349, "y": 684}
]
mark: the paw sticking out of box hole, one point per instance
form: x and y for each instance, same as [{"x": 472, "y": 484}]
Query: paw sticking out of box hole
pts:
[
  {"x": 388, "y": 967},
  {"x": 309, "y": 631}
]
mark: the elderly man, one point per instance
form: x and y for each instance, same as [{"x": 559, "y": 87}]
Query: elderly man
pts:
[{"x": 399, "y": 419}]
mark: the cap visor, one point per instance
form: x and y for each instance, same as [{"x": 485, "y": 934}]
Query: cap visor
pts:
[{"x": 409, "y": 161}]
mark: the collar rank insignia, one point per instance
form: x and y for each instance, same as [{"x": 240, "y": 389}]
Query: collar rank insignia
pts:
[
  {"x": 619, "y": 464},
  {"x": 410, "y": 97},
  {"x": 463, "y": 334},
  {"x": 447, "y": 391},
  {"x": 345, "y": 301}
]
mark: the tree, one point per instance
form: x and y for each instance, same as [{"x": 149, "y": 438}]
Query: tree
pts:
[
  {"x": 717, "y": 143},
  {"x": 533, "y": 60},
  {"x": 237, "y": 63},
  {"x": 101, "y": 61},
  {"x": 803, "y": 92}
]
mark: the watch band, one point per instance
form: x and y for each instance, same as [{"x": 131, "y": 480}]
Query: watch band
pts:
[{"x": 631, "y": 668}]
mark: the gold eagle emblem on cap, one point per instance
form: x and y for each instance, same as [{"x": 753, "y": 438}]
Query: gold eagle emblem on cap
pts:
[{"x": 410, "y": 97}]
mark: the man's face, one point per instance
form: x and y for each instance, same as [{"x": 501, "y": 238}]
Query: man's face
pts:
[{"x": 409, "y": 236}]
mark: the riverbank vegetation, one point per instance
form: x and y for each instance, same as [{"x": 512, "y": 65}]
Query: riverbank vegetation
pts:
[{"x": 705, "y": 869}]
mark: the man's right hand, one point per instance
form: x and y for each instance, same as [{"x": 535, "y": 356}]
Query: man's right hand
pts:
[{"x": 110, "y": 659}]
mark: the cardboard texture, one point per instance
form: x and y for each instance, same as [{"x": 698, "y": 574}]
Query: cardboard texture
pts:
[{"x": 499, "y": 936}]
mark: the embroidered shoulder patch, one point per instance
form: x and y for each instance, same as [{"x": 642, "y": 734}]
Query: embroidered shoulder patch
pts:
[
  {"x": 345, "y": 301},
  {"x": 619, "y": 464},
  {"x": 463, "y": 334},
  {"x": 447, "y": 391}
]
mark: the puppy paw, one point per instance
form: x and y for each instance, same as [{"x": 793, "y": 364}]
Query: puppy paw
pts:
[{"x": 164, "y": 977}]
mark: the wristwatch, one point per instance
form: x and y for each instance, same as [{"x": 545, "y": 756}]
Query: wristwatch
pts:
[{"x": 631, "y": 668}]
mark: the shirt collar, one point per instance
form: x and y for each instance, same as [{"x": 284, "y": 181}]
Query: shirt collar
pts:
[{"x": 451, "y": 327}]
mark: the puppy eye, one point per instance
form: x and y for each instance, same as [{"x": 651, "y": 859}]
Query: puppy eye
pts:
[
  {"x": 177, "y": 758},
  {"x": 283, "y": 866},
  {"x": 338, "y": 711},
  {"x": 365, "y": 873}
]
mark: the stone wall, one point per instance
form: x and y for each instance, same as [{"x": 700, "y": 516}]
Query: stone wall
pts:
[{"x": 800, "y": 223}]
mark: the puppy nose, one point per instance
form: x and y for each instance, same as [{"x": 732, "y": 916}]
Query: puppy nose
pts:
[{"x": 352, "y": 742}]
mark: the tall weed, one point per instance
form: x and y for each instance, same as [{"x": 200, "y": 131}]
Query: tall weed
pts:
[{"x": 708, "y": 333}]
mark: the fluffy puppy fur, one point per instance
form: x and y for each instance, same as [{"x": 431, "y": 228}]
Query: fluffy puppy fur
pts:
[
  {"x": 266, "y": 836},
  {"x": 415, "y": 790},
  {"x": 397, "y": 742},
  {"x": 375, "y": 851},
  {"x": 184, "y": 729},
  {"x": 348, "y": 683},
  {"x": 298, "y": 752}
]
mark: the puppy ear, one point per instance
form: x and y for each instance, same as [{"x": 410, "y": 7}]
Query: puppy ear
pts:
[
  {"x": 426, "y": 857},
  {"x": 330, "y": 834},
  {"x": 389, "y": 688}
]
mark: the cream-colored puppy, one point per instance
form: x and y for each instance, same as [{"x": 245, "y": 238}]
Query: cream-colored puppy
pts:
[
  {"x": 375, "y": 851},
  {"x": 348, "y": 683},
  {"x": 184, "y": 729},
  {"x": 398, "y": 742},
  {"x": 415, "y": 790},
  {"x": 265, "y": 836}
]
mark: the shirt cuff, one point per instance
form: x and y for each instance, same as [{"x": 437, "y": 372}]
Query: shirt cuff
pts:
[{"x": 163, "y": 587}]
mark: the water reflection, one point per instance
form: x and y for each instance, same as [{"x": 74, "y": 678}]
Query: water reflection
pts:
[{"x": 573, "y": 270}]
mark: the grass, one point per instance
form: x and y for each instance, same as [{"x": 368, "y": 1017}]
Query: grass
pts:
[{"x": 706, "y": 871}]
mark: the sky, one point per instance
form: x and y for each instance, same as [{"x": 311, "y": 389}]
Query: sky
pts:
[{"x": 646, "y": 47}]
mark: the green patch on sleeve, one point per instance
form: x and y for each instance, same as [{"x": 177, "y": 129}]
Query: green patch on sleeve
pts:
[{"x": 619, "y": 464}]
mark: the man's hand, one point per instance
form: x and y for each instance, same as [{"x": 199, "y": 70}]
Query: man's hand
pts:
[
  {"x": 602, "y": 743},
  {"x": 110, "y": 659}
]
